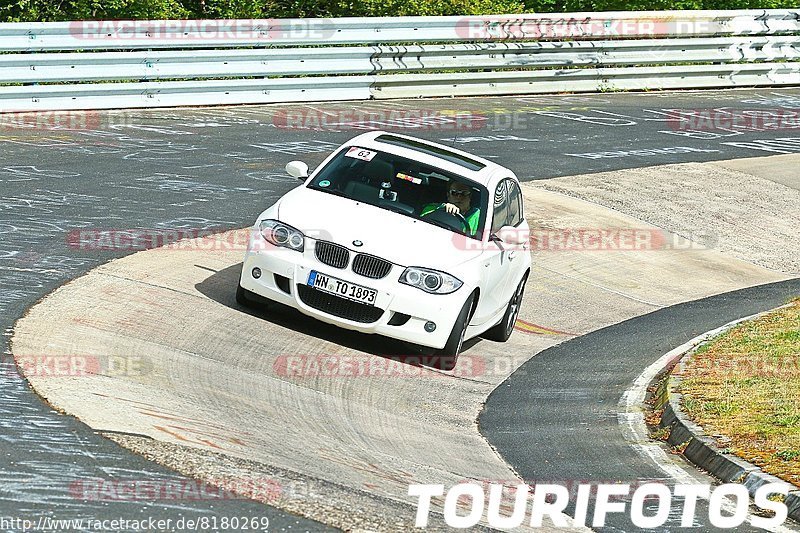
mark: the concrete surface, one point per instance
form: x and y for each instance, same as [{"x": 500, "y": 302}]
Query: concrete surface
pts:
[
  {"x": 781, "y": 169},
  {"x": 739, "y": 207}
]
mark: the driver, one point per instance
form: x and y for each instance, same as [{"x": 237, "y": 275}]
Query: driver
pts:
[{"x": 459, "y": 196}]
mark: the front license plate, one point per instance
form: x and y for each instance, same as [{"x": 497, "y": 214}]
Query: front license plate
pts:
[{"x": 342, "y": 288}]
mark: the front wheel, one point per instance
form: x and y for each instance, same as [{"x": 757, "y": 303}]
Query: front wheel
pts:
[
  {"x": 250, "y": 299},
  {"x": 244, "y": 297},
  {"x": 502, "y": 331},
  {"x": 447, "y": 356}
]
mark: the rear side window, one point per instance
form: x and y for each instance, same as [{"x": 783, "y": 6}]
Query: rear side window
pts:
[
  {"x": 500, "y": 216},
  {"x": 515, "y": 213},
  {"x": 507, "y": 205}
]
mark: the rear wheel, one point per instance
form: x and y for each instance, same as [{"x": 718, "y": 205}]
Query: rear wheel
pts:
[
  {"x": 502, "y": 331},
  {"x": 447, "y": 356}
]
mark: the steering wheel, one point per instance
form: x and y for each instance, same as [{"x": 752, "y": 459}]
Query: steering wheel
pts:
[{"x": 454, "y": 221}]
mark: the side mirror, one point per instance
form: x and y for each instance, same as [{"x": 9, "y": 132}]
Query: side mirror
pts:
[
  {"x": 297, "y": 169},
  {"x": 513, "y": 236}
]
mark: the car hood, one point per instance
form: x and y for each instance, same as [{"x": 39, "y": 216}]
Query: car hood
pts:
[{"x": 392, "y": 236}]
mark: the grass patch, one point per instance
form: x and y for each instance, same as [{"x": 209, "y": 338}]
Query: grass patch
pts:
[{"x": 745, "y": 386}]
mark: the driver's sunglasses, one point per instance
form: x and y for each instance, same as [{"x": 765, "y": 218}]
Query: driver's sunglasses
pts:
[{"x": 460, "y": 193}]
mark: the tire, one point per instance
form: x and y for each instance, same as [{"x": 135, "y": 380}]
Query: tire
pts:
[
  {"x": 448, "y": 356},
  {"x": 244, "y": 297},
  {"x": 502, "y": 331},
  {"x": 425, "y": 351},
  {"x": 250, "y": 299}
]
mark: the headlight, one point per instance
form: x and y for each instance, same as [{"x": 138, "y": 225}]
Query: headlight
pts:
[
  {"x": 281, "y": 234},
  {"x": 431, "y": 281}
]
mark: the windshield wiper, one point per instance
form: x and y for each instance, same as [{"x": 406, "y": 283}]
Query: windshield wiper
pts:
[
  {"x": 403, "y": 209},
  {"x": 334, "y": 192}
]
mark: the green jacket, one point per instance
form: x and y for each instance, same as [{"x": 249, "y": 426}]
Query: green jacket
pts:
[{"x": 472, "y": 216}]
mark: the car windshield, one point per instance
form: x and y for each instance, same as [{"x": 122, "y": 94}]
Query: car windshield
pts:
[{"x": 407, "y": 187}]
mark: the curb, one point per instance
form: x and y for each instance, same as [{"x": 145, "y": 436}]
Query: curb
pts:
[{"x": 699, "y": 448}]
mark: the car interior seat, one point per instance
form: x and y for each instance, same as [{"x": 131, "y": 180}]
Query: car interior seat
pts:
[
  {"x": 408, "y": 192},
  {"x": 373, "y": 174}
]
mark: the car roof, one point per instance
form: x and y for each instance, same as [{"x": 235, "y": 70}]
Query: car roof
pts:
[{"x": 453, "y": 160}]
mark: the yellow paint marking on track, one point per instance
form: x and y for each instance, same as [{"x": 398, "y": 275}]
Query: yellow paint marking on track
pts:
[{"x": 535, "y": 329}]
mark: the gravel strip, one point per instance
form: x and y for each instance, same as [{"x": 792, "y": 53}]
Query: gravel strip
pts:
[{"x": 737, "y": 213}]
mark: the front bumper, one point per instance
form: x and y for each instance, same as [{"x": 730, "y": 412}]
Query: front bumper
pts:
[{"x": 283, "y": 269}]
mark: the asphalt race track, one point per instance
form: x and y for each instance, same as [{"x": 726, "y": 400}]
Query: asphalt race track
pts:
[
  {"x": 568, "y": 394},
  {"x": 207, "y": 361}
]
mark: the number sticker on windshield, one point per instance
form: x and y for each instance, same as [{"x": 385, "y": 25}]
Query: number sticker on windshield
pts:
[{"x": 361, "y": 153}]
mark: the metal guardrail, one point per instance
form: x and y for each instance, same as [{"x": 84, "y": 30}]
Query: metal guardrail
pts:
[
  {"x": 158, "y": 65},
  {"x": 588, "y": 80},
  {"x": 57, "y": 65},
  {"x": 176, "y": 94},
  {"x": 85, "y": 35}
]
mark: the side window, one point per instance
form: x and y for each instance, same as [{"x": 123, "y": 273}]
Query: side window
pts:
[
  {"x": 515, "y": 213},
  {"x": 500, "y": 217}
]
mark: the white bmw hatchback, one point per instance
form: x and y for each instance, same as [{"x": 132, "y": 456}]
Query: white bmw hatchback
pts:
[{"x": 396, "y": 236}]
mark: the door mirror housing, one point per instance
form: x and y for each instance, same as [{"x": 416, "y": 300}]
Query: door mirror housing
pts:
[
  {"x": 297, "y": 169},
  {"x": 513, "y": 236}
]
